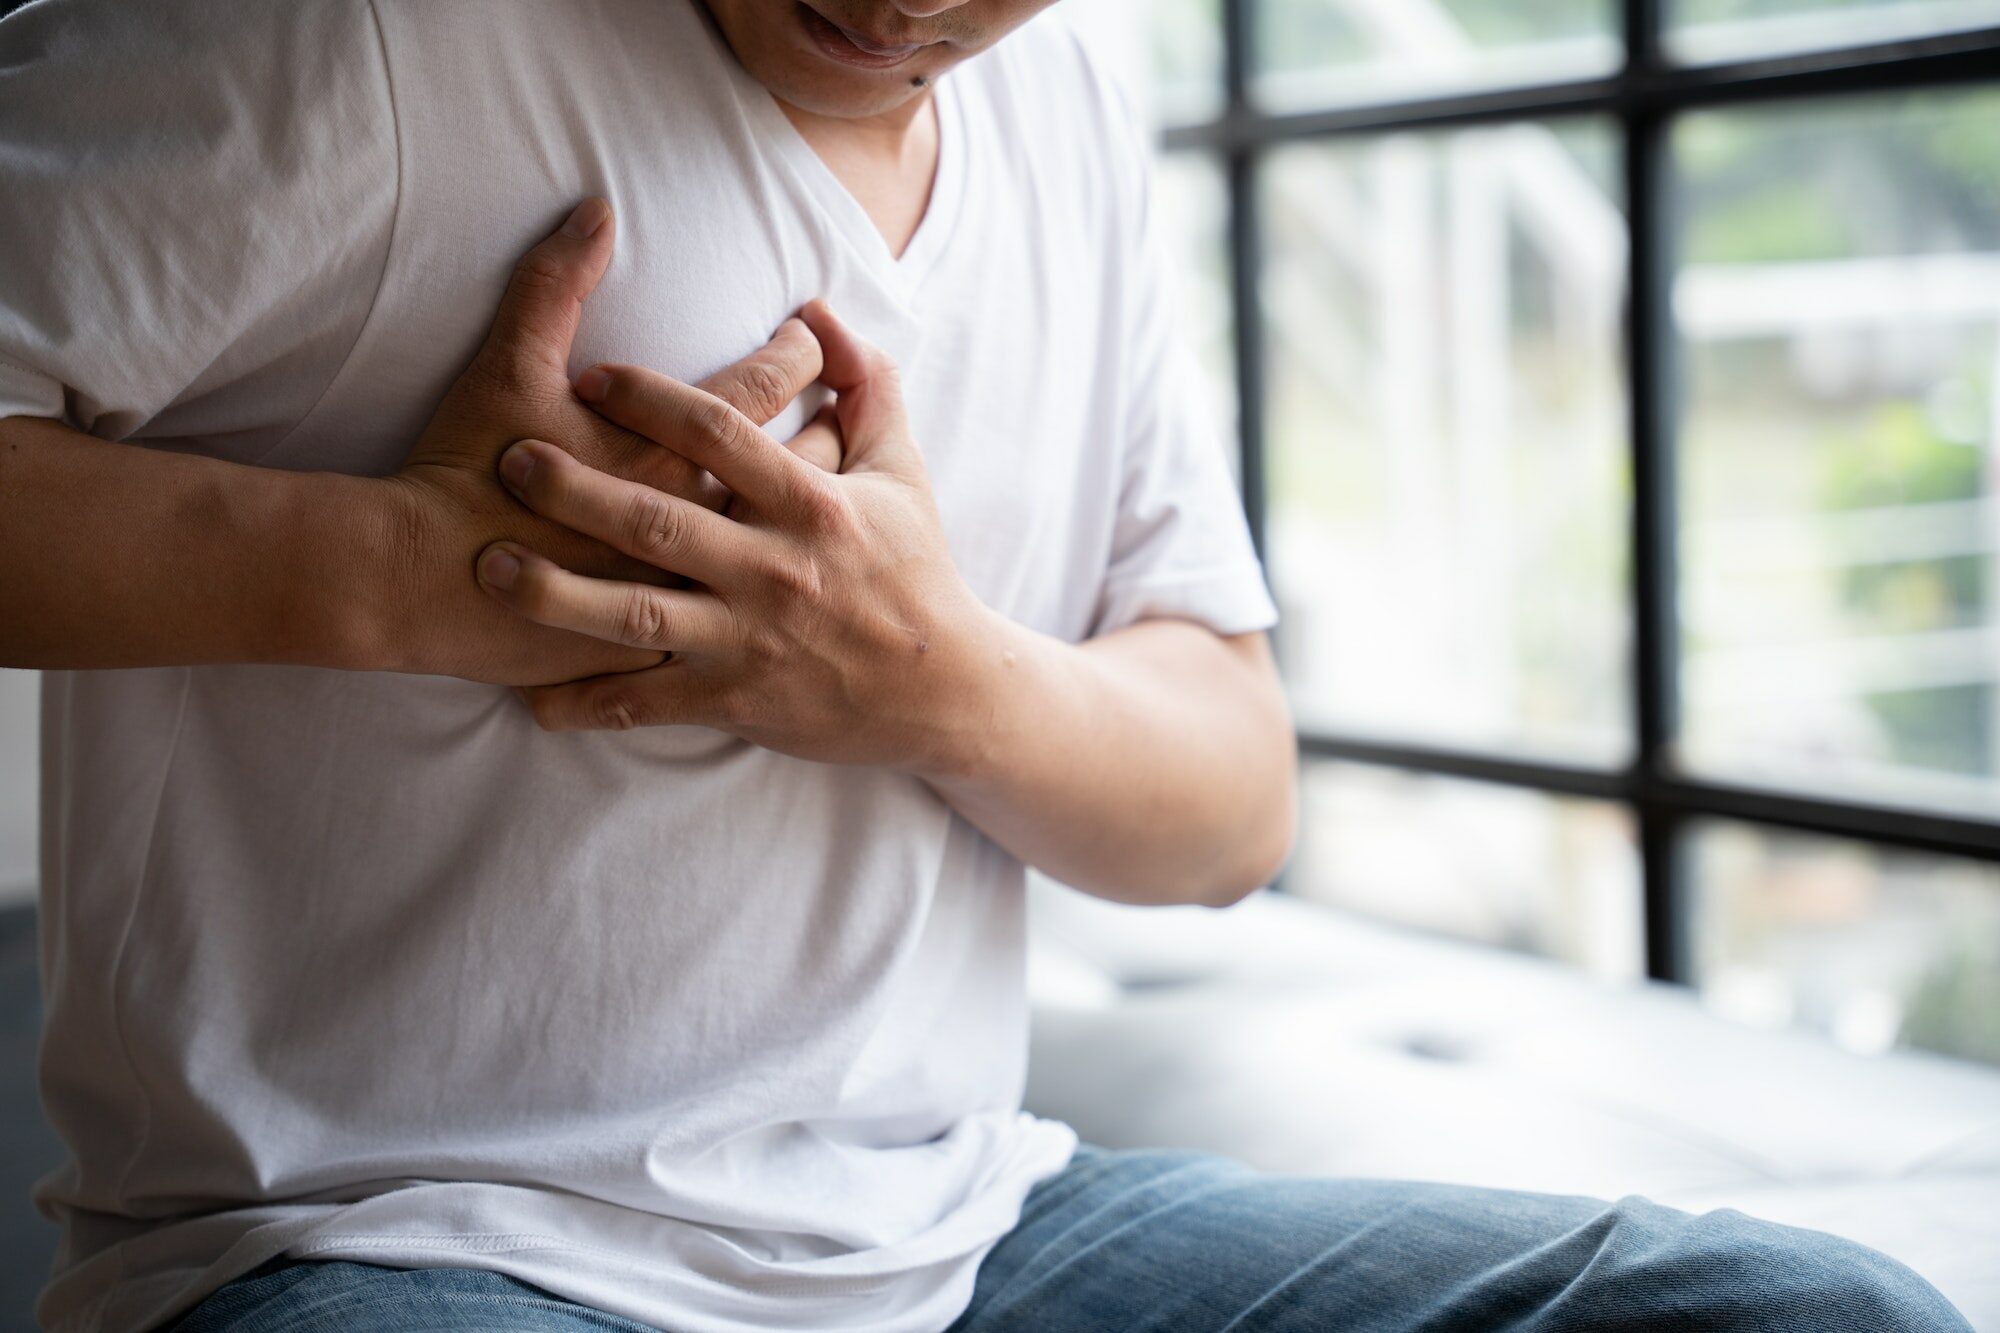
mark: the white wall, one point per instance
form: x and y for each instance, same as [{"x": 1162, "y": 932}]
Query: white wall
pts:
[{"x": 19, "y": 693}]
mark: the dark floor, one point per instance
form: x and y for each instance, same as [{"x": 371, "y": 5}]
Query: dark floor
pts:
[{"x": 28, "y": 1148}]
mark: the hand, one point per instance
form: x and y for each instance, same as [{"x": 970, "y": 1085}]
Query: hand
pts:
[
  {"x": 449, "y": 505},
  {"x": 830, "y": 622}
]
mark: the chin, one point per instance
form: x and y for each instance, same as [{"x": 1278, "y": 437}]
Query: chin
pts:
[
  {"x": 773, "y": 42},
  {"x": 805, "y": 82}
]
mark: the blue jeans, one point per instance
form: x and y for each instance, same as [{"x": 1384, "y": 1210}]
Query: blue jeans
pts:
[{"x": 1180, "y": 1242}]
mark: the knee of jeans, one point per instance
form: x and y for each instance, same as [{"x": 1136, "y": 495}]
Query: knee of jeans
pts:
[{"x": 1810, "y": 1282}]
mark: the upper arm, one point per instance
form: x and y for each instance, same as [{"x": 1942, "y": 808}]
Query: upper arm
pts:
[
  {"x": 195, "y": 194},
  {"x": 1181, "y": 546}
]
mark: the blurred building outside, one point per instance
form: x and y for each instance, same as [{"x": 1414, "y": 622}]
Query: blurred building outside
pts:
[{"x": 1449, "y": 488}]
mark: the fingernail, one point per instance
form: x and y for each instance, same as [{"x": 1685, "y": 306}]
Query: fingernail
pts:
[
  {"x": 517, "y": 464},
  {"x": 498, "y": 568},
  {"x": 586, "y": 219},
  {"x": 593, "y": 384}
]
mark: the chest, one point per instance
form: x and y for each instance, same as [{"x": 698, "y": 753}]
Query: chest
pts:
[{"x": 1003, "y": 331}]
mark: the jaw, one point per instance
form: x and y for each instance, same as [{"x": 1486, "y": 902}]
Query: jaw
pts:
[{"x": 842, "y": 58}]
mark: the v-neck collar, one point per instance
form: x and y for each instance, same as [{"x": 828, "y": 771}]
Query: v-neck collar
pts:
[{"x": 839, "y": 205}]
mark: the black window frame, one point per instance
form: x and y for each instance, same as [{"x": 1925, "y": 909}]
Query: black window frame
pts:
[{"x": 1643, "y": 98}]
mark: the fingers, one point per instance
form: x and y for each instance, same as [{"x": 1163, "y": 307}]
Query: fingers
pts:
[
  {"x": 819, "y": 442},
  {"x": 706, "y": 431},
  {"x": 531, "y": 334},
  {"x": 661, "y": 696},
  {"x": 760, "y": 386},
  {"x": 608, "y": 447},
  {"x": 870, "y": 403},
  {"x": 636, "y": 615},
  {"x": 818, "y": 445},
  {"x": 764, "y": 383},
  {"x": 665, "y": 531}
]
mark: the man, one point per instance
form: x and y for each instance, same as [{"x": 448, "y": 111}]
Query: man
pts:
[{"x": 684, "y": 989}]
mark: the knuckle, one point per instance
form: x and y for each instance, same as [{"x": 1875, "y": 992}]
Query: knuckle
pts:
[
  {"x": 797, "y": 576},
  {"x": 735, "y": 708},
  {"x": 655, "y": 530},
  {"x": 642, "y": 620},
  {"x": 708, "y": 418},
  {"x": 538, "y": 273},
  {"x": 764, "y": 388},
  {"x": 722, "y": 427},
  {"x": 765, "y": 653},
  {"x": 825, "y": 510},
  {"x": 614, "y": 710}
]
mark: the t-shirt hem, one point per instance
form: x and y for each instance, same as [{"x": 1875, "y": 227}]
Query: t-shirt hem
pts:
[
  {"x": 27, "y": 392},
  {"x": 1228, "y": 599}
]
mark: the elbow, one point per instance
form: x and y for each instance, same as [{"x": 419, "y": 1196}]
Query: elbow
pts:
[
  {"x": 1264, "y": 846},
  {"x": 1237, "y": 864},
  {"x": 1258, "y": 865}
]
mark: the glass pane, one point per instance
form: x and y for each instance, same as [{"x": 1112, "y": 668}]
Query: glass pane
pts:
[
  {"x": 1515, "y": 869},
  {"x": 1711, "y": 30},
  {"x": 1448, "y": 506},
  {"x": 1331, "y": 52},
  {"x": 1878, "y": 949},
  {"x": 1194, "y": 201},
  {"x": 1169, "y": 51},
  {"x": 1839, "y": 310}
]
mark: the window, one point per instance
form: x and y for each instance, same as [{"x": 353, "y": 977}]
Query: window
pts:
[
  {"x": 1313, "y": 53},
  {"x": 1874, "y": 946},
  {"x": 1505, "y": 866},
  {"x": 1445, "y": 304},
  {"x": 1711, "y": 30},
  {"x": 1618, "y": 393},
  {"x": 1837, "y": 305}
]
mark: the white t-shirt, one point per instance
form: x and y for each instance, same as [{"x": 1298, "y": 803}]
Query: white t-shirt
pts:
[{"x": 365, "y": 966}]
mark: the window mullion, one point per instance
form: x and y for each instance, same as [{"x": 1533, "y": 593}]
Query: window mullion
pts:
[
  {"x": 1655, "y": 636},
  {"x": 1240, "y": 175}
]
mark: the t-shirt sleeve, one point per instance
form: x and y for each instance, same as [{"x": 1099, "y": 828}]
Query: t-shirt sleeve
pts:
[
  {"x": 1181, "y": 546},
  {"x": 193, "y": 194}
]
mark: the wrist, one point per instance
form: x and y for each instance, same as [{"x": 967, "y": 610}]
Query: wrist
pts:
[
  {"x": 342, "y": 555},
  {"x": 971, "y": 705}
]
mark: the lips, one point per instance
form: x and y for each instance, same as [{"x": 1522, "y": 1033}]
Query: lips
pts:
[{"x": 853, "y": 48}]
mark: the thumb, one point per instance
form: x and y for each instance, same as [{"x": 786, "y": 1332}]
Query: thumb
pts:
[
  {"x": 874, "y": 424},
  {"x": 531, "y": 334}
]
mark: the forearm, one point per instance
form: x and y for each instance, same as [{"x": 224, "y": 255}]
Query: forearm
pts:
[
  {"x": 1154, "y": 765},
  {"x": 119, "y": 556}
]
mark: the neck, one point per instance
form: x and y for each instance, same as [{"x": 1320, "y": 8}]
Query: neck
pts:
[
  {"x": 903, "y": 133},
  {"x": 887, "y": 161}
]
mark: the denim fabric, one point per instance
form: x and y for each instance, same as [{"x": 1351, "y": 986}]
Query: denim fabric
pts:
[
  {"x": 1181, "y": 1242},
  {"x": 288, "y": 1297},
  {"x": 1199, "y": 1244}
]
